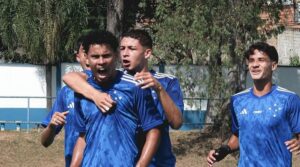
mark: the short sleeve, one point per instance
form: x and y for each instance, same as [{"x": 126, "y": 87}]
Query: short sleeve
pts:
[
  {"x": 294, "y": 113},
  {"x": 58, "y": 106},
  {"x": 234, "y": 121},
  {"x": 148, "y": 115},
  {"x": 174, "y": 91},
  {"x": 79, "y": 123}
]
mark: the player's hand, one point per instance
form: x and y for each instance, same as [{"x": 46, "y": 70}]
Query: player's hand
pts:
[
  {"x": 103, "y": 101},
  {"x": 59, "y": 119},
  {"x": 146, "y": 80},
  {"x": 211, "y": 158},
  {"x": 293, "y": 145}
]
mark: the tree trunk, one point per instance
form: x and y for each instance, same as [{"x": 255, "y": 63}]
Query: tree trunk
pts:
[
  {"x": 49, "y": 85},
  {"x": 115, "y": 16}
]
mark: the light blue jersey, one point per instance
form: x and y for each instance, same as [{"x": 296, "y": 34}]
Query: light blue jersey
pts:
[
  {"x": 111, "y": 137},
  {"x": 164, "y": 156},
  {"x": 263, "y": 124},
  {"x": 65, "y": 102}
]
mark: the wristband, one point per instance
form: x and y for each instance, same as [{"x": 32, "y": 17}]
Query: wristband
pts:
[{"x": 222, "y": 152}]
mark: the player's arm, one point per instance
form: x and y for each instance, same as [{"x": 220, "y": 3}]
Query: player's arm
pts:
[
  {"x": 49, "y": 133},
  {"x": 78, "y": 82},
  {"x": 172, "y": 112},
  {"x": 149, "y": 148},
  {"x": 294, "y": 121},
  {"x": 294, "y": 144},
  {"x": 220, "y": 153},
  {"x": 78, "y": 151}
]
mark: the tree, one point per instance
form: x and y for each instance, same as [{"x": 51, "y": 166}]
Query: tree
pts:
[
  {"x": 214, "y": 33},
  {"x": 41, "y": 32},
  {"x": 115, "y": 16}
]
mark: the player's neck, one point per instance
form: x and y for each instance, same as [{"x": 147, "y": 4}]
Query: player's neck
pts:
[
  {"x": 143, "y": 69},
  {"x": 261, "y": 88}
]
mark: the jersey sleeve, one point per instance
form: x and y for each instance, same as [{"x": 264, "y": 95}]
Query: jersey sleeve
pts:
[
  {"x": 174, "y": 91},
  {"x": 58, "y": 106},
  {"x": 79, "y": 123},
  {"x": 234, "y": 122},
  {"x": 148, "y": 115},
  {"x": 294, "y": 113}
]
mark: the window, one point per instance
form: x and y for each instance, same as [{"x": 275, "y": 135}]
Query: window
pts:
[
  {"x": 297, "y": 13},
  {"x": 287, "y": 2}
]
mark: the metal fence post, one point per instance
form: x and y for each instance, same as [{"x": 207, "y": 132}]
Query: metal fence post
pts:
[{"x": 28, "y": 105}]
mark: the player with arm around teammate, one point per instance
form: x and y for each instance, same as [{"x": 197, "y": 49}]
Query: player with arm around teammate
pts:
[
  {"x": 135, "y": 50},
  {"x": 111, "y": 136}
]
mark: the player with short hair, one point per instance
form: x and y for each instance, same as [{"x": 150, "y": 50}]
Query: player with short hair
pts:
[
  {"x": 265, "y": 118},
  {"x": 62, "y": 113},
  {"x": 135, "y": 50},
  {"x": 111, "y": 136}
]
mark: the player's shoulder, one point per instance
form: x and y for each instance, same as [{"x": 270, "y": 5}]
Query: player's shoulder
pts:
[
  {"x": 242, "y": 93},
  {"x": 127, "y": 79},
  {"x": 159, "y": 75},
  {"x": 285, "y": 91},
  {"x": 66, "y": 89}
]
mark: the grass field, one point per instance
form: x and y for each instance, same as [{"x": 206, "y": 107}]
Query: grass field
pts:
[{"x": 21, "y": 149}]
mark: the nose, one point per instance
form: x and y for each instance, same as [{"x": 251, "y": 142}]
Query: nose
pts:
[
  {"x": 256, "y": 63},
  {"x": 101, "y": 61},
  {"x": 124, "y": 52}
]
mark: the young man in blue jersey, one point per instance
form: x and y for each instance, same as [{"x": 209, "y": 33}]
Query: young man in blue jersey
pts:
[
  {"x": 265, "y": 118},
  {"x": 111, "y": 136},
  {"x": 135, "y": 50},
  {"x": 62, "y": 113}
]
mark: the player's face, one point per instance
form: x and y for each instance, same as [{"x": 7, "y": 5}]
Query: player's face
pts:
[
  {"x": 102, "y": 61},
  {"x": 261, "y": 66},
  {"x": 134, "y": 56}
]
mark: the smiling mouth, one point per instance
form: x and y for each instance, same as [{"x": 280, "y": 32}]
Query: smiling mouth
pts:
[{"x": 255, "y": 72}]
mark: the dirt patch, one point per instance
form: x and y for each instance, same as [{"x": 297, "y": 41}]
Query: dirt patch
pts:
[{"x": 24, "y": 149}]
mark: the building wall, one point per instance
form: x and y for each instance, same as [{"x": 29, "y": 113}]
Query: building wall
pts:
[{"x": 288, "y": 45}]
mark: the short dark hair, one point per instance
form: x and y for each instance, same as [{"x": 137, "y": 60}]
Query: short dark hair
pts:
[
  {"x": 141, "y": 35},
  {"x": 263, "y": 47},
  {"x": 78, "y": 43},
  {"x": 100, "y": 37}
]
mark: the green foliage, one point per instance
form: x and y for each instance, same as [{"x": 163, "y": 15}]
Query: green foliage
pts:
[
  {"x": 45, "y": 31},
  {"x": 294, "y": 61},
  {"x": 213, "y": 33}
]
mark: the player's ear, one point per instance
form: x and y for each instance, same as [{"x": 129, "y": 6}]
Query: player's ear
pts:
[
  {"x": 274, "y": 65},
  {"x": 148, "y": 53}
]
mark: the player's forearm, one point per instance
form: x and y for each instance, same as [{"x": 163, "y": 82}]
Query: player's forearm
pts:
[
  {"x": 233, "y": 142},
  {"x": 77, "y": 81},
  {"x": 78, "y": 152},
  {"x": 48, "y": 136},
  {"x": 150, "y": 147},
  {"x": 173, "y": 114}
]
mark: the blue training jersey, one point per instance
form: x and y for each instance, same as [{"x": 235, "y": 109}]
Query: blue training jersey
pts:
[
  {"x": 65, "y": 102},
  {"x": 111, "y": 137},
  {"x": 263, "y": 124},
  {"x": 164, "y": 156}
]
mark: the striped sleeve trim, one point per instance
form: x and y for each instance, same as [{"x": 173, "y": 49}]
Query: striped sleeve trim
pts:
[
  {"x": 281, "y": 89},
  {"x": 128, "y": 78},
  {"x": 243, "y": 92},
  {"x": 163, "y": 75}
]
